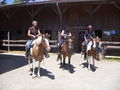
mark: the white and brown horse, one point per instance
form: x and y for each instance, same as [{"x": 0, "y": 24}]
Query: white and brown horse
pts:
[
  {"x": 37, "y": 53},
  {"x": 91, "y": 53}
]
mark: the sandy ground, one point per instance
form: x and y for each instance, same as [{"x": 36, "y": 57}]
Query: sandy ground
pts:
[{"x": 14, "y": 74}]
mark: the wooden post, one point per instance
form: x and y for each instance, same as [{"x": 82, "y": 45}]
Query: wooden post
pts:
[
  {"x": 8, "y": 37},
  {"x": 60, "y": 14}
]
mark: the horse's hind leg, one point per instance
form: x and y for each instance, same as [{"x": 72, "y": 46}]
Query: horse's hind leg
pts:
[{"x": 38, "y": 73}]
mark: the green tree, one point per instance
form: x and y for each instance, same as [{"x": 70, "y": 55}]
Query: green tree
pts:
[
  {"x": 18, "y": 1},
  {"x": 3, "y": 2}
]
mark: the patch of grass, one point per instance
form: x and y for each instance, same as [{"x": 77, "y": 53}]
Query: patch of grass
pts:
[{"x": 112, "y": 58}]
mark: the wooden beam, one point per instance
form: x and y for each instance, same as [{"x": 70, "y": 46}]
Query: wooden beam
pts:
[
  {"x": 9, "y": 12},
  {"x": 91, "y": 11},
  {"x": 98, "y": 7},
  {"x": 33, "y": 12},
  {"x": 65, "y": 9},
  {"x": 116, "y": 5},
  {"x": 60, "y": 14},
  {"x": 55, "y": 10},
  {"x": 8, "y": 36}
]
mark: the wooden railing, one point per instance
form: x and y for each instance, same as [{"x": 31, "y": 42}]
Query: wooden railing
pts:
[
  {"x": 21, "y": 43},
  {"x": 111, "y": 45}
]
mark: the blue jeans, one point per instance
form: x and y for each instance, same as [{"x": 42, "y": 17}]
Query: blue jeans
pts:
[
  {"x": 99, "y": 49},
  {"x": 62, "y": 41},
  {"x": 28, "y": 45},
  {"x": 84, "y": 44}
]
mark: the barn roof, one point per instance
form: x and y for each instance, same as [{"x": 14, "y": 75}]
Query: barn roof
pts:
[{"x": 52, "y": 2}]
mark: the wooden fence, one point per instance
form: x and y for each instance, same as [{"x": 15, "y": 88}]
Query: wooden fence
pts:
[{"x": 21, "y": 43}]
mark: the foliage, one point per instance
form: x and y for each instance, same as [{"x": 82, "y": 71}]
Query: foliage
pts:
[{"x": 3, "y": 2}]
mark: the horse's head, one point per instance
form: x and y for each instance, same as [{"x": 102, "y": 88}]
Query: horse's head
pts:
[
  {"x": 45, "y": 43},
  {"x": 70, "y": 43},
  {"x": 42, "y": 40}
]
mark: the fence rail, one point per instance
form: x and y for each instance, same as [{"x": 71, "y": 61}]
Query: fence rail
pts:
[{"x": 21, "y": 43}]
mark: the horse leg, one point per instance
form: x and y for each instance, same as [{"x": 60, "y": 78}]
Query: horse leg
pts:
[
  {"x": 69, "y": 63},
  {"x": 64, "y": 60},
  {"x": 93, "y": 62},
  {"x": 29, "y": 64},
  {"x": 89, "y": 62},
  {"x": 69, "y": 60},
  {"x": 38, "y": 73},
  {"x": 33, "y": 71},
  {"x": 60, "y": 56}
]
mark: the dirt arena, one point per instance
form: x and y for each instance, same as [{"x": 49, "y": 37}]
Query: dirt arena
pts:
[{"x": 14, "y": 74}]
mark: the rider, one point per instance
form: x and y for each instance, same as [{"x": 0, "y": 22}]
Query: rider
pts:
[
  {"x": 33, "y": 33},
  {"x": 88, "y": 36},
  {"x": 64, "y": 34},
  {"x": 99, "y": 44}
]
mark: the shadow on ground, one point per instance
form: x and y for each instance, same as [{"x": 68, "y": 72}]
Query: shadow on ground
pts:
[
  {"x": 68, "y": 67},
  {"x": 85, "y": 65},
  {"x": 44, "y": 72},
  {"x": 11, "y": 62}
]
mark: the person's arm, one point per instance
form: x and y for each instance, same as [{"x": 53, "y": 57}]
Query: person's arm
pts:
[
  {"x": 93, "y": 34},
  {"x": 31, "y": 35},
  {"x": 39, "y": 33},
  {"x": 85, "y": 36},
  {"x": 62, "y": 33},
  {"x": 70, "y": 34}
]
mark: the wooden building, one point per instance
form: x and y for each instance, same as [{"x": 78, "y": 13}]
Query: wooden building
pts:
[{"x": 55, "y": 15}]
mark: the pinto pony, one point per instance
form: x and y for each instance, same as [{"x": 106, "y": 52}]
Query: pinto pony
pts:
[
  {"x": 91, "y": 53},
  {"x": 41, "y": 44}
]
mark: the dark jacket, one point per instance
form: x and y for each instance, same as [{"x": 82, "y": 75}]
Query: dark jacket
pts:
[{"x": 89, "y": 35}]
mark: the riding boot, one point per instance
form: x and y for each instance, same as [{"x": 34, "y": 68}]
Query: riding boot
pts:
[
  {"x": 59, "y": 49},
  {"x": 27, "y": 53}
]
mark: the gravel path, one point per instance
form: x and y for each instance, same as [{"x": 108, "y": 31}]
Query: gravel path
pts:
[{"x": 14, "y": 75}]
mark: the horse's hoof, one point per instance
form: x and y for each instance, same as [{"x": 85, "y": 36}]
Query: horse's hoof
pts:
[
  {"x": 30, "y": 74},
  {"x": 39, "y": 77},
  {"x": 29, "y": 70},
  {"x": 89, "y": 69},
  {"x": 33, "y": 76}
]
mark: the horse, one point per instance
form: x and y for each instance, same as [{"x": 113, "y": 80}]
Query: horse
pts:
[
  {"x": 91, "y": 53},
  {"x": 66, "y": 51},
  {"x": 100, "y": 54},
  {"x": 41, "y": 44}
]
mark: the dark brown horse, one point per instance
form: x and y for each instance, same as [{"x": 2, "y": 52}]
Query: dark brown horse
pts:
[
  {"x": 66, "y": 51},
  {"x": 37, "y": 52}
]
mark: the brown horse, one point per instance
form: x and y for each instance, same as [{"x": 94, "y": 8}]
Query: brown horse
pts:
[
  {"x": 66, "y": 51},
  {"x": 37, "y": 53}
]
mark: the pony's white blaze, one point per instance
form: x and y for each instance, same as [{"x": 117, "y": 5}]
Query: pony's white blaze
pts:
[
  {"x": 39, "y": 40},
  {"x": 48, "y": 45}
]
